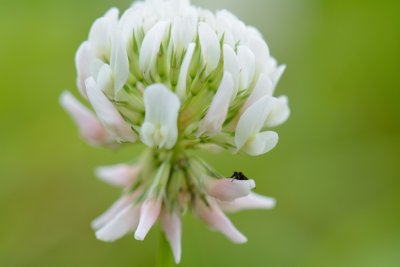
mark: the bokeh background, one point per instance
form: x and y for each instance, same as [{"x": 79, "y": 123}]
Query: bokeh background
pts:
[{"x": 335, "y": 172}]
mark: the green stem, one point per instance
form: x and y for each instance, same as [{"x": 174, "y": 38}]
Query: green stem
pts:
[{"x": 165, "y": 258}]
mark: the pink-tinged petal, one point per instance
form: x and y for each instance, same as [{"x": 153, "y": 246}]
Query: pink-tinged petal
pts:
[
  {"x": 121, "y": 175},
  {"x": 148, "y": 216},
  {"x": 108, "y": 114},
  {"x": 117, "y": 207},
  {"x": 217, "y": 220},
  {"x": 229, "y": 189},
  {"x": 252, "y": 201},
  {"x": 89, "y": 126},
  {"x": 123, "y": 223},
  {"x": 171, "y": 224}
]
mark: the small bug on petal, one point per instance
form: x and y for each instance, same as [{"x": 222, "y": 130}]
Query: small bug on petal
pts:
[{"x": 239, "y": 176}]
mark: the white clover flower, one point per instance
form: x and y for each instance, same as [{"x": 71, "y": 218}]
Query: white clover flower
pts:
[{"x": 176, "y": 78}]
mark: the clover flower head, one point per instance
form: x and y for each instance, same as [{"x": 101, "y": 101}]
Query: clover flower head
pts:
[{"x": 176, "y": 78}]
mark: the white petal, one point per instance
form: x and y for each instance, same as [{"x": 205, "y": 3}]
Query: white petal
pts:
[
  {"x": 121, "y": 175},
  {"x": 261, "y": 51},
  {"x": 151, "y": 46},
  {"x": 247, "y": 63},
  {"x": 112, "y": 212},
  {"x": 83, "y": 61},
  {"x": 100, "y": 36},
  {"x": 252, "y": 120},
  {"x": 95, "y": 66},
  {"x": 224, "y": 28},
  {"x": 216, "y": 114},
  {"x": 264, "y": 87},
  {"x": 261, "y": 143},
  {"x": 89, "y": 126},
  {"x": 146, "y": 134},
  {"x": 277, "y": 74},
  {"x": 183, "y": 31},
  {"x": 171, "y": 224},
  {"x": 229, "y": 189},
  {"x": 231, "y": 65},
  {"x": 160, "y": 126},
  {"x": 210, "y": 46},
  {"x": 181, "y": 86},
  {"x": 105, "y": 79},
  {"x": 217, "y": 220},
  {"x": 119, "y": 62},
  {"x": 123, "y": 223},
  {"x": 148, "y": 216},
  {"x": 112, "y": 14},
  {"x": 108, "y": 114},
  {"x": 252, "y": 201},
  {"x": 279, "y": 114},
  {"x": 237, "y": 27}
]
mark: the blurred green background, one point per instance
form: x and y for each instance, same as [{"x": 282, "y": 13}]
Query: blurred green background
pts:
[{"x": 335, "y": 172}]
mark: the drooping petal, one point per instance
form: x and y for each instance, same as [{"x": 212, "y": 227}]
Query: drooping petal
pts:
[
  {"x": 210, "y": 46},
  {"x": 112, "y": 212},
  {"x": 148, "y": 216},
  {"x": 108, "y": 114},
  {"x": 121, "y": 175},
  {"x": 252, "y": 120},
  {"x": 213, "y": 216},
  {"x": 181, "y": 86},
  {"x": 160, "y": 126},
  {"x": 263, "y": 87},
  {"x": 279, "y": 114},
  {"x": 123, "y": 223},
  {"x": 216, "y": 114},
  {"x": 171, "y": 224},
  {"x": 89, "y": 126},
  {"x": 229, "y": 189},
  {"x": 252, "y": 201},
  {"x": 247, "y": 62},
  {"x": 119, "y": 62}
]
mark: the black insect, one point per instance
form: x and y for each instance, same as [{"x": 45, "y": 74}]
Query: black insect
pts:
[{"x": 239, "y": 176}]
